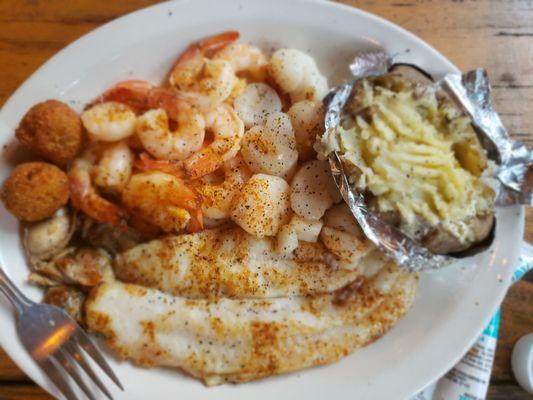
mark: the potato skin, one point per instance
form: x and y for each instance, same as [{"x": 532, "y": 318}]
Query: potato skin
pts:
[
  {"x": 53, "y": 130},
  {"x": 35, "y": 190},
  {"x": 442, "y": 242},
  {"x": 438, "y": 240}
]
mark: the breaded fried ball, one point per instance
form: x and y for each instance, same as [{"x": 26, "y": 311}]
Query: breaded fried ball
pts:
[
  {"x": 35, "y": 190},
  {"x": 53, "y": 130}
]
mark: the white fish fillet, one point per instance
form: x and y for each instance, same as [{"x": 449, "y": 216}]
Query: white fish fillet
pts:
[
  {"x": 231, "y": 263},
  {"x": 238, "y": 340}
]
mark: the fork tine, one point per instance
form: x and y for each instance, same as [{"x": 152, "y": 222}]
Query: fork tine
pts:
[
  {"x": 62, "y": 358},
  {"x": 86, "y": 344},
  {"x": 49, "y": 368},
  {"x": 72, "y": 349}
]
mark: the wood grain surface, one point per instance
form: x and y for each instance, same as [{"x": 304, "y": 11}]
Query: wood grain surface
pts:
[{"x": 495, "y": 34}]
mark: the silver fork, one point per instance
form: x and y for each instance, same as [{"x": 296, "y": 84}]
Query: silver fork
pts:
[{"x": 56, "y": 343}]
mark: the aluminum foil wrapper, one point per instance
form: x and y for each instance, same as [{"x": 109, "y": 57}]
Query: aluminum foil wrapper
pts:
[{"x": 471, "y": 92}]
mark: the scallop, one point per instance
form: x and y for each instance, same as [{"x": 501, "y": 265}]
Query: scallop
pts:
[
  {"x": 305, "y": 229},
  {"x": 313, "y": 190},
  {"x": 256, "y": 103},
  {"x": 307, "y": 119},
  {"x": 271, "y": 148},
  {"x": 340, "y": 217},
  {"x": 348, "y": 248},
  {"x": 286, "y": 67},
  {"x": 297, "y": 74},
  {"x": 263, "y": 205},
  {"x": 286, "y": 240}
]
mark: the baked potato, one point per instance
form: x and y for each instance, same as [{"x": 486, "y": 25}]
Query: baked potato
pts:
[{"x": 418, "y": 160}]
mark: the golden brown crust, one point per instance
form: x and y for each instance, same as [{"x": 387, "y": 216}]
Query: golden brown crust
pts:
[
  {"x": 35, "y": 190},
  {"x": 53, "y": 130}
]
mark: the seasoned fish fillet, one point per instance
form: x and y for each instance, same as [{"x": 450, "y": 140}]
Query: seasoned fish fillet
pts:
[
  {"x": 237, "y": 340},
  {"x": 232, "y": 263}
]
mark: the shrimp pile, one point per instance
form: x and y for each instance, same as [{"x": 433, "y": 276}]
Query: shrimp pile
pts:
[
  {"x": 224, "y": 145},
  {"x": 225, "y": 139}
]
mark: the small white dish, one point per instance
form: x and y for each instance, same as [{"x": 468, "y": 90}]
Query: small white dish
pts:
[
  {"x": 522, "y": 362},
  {"x": 452, "y": 305}
]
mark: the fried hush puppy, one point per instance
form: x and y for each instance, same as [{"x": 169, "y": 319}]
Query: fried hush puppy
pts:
[
  {"x": 35, "y": 190},
  {"x": 53, "y": 130}
]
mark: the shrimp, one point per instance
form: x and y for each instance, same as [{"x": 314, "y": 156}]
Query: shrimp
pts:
[
  {"x": 162, "y": 142},
  {"x": 152, "y": 128},
  {"x": 217, "y": 197},
  {"x": 212, "y": 81},
  {"x": 145, "y": 163},
  {"x": 190, "y": 64},
  {"x": 226, "y": 127},
  {"x": 271, "y": 148},
  {"x": 164, "y": 200},
  {"x": 245, "y": 59},
  {"x": 113, "y": 170},
  {"x": 297, "y": 74},
  {"x": 84, "y": 195},
  {"x": 256, "y": 102},
  {"x": 307, "y": 118},
  {"x": 262, "y": 206},
  {"x": 215, "y": 87},
  {"x": 227, "y": 130},
  {"x": 133, "y": 93},
  {"x": 237, "y": 91},
  {"x": 217, "y": 192},
  {"x": 109, "y": 121}
]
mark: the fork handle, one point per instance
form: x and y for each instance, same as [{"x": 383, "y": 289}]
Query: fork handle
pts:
[{"x": 15, "y": 296}]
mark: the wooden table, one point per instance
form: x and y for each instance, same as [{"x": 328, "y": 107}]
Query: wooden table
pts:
[{"x": 495, "y": 34}]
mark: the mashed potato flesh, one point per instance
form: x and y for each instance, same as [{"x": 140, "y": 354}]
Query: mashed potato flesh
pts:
[{"x": 420, "y": 157}]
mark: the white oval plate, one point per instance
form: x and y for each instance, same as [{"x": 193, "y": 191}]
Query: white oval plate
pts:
[{"x": 452, "y": 305}]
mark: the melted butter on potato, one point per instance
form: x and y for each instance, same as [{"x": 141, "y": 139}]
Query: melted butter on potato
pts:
[{"x": 418, "y": 155}]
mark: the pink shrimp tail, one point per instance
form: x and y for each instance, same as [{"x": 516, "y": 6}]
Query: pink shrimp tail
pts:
[
  {"x": 146, "y": 163},
  {"x": 212, "y": 44},
  {"x": 190, "y": 63},
  {"x": 202, "y": 163},
  {"x": 84, "y": 198},
  {"x": 133, "y": 93}
]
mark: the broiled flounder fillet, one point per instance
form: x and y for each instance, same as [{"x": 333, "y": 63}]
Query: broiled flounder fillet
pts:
[
  {"x": 232, "y": 263},
  {"x": 239, "y": 340}
]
